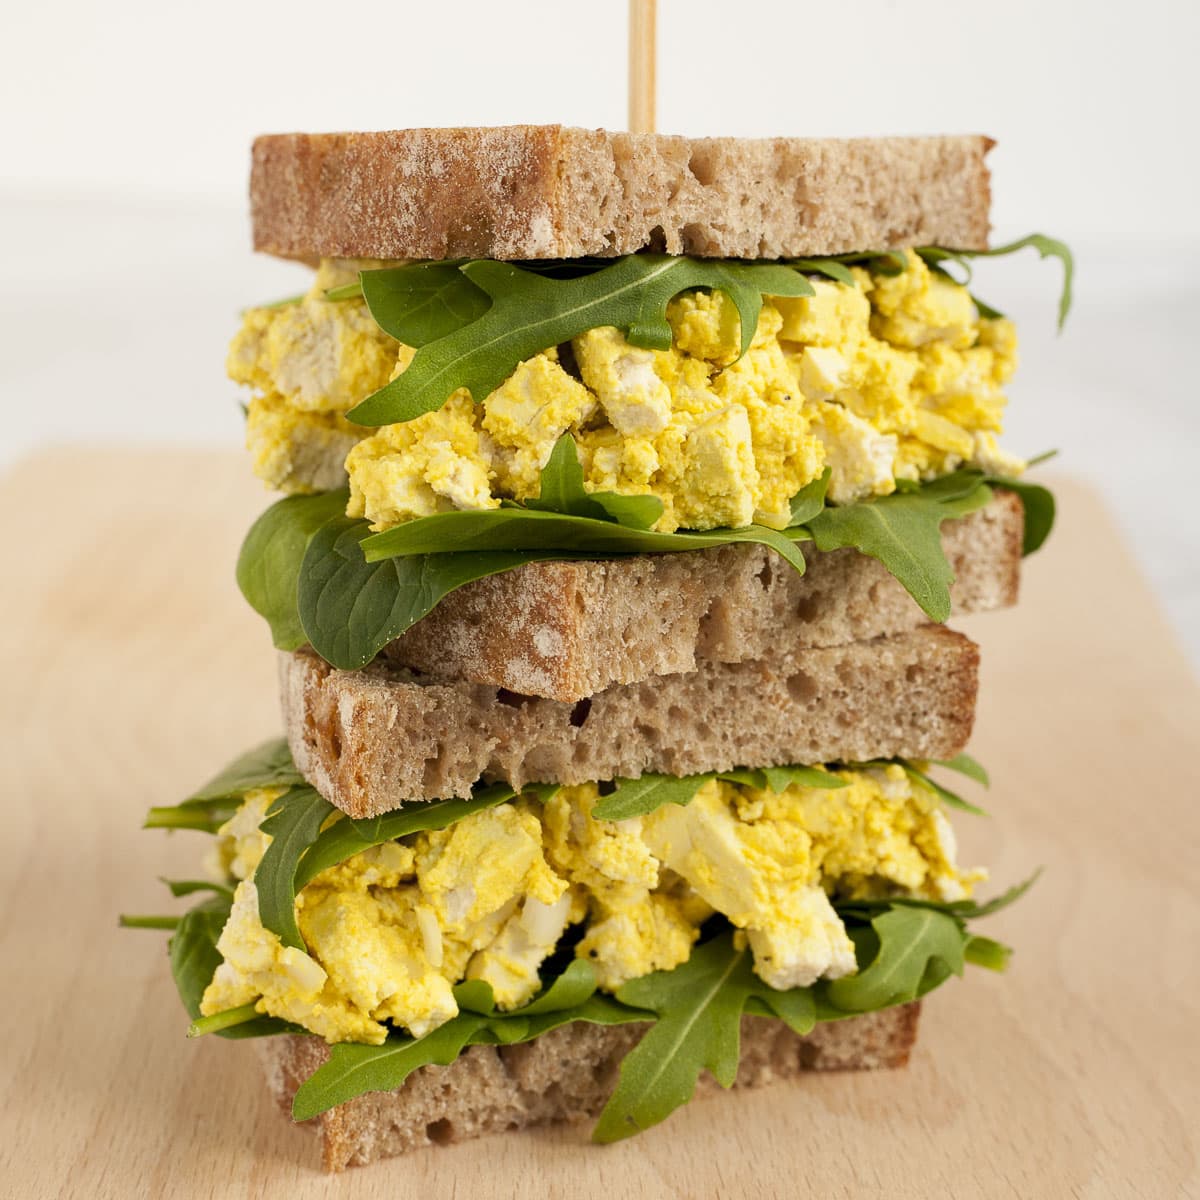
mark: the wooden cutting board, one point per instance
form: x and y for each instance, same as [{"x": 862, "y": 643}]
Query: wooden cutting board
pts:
[{"x": 132, "y": 669}]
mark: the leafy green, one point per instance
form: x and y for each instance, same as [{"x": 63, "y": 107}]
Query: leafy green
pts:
[
  {"x": 346, "y": 837},
  {"x": 903, "y": 531},
  {"x": 219, "y": 1021},
  {"x": 699, "y": 1007},
  {"x": 268, "y": 567},
  {"x": 944, "y": 794},
  {"x": 964, "y": 764},
  {"x": 354, "y": 1069},
  {"x": 1047, "y": 247},
  {"x": 909, "y": 951},
  {"x": 637, "y": 797},
  {"x": 293, "y": 822},
  {"x": 961, "y": 910},
  {"x": 268, "y": 764},
  {"x": 530, "y": 310},
  {"x": 136, "y": 921},
  {"x": 352, "y": 592},
  {"x": 189, "y": 887},
  {"x": 562, "y": 491},
  {"x": 422, "y": 302},
  {"x": 194, "y": 958},
  {"x": 350, "y": 607}
]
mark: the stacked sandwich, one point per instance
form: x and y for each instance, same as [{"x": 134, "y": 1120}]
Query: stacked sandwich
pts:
[{"x": 631, "y": 480}]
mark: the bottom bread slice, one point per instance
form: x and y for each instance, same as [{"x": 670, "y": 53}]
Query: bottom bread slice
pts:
[
  {"x": 564, "y": 1075},
  {"x": 371, "y": 740}
]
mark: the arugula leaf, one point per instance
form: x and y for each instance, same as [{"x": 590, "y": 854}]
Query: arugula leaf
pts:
[
  {"x": 903, "y": 531},
  {"x": 188, "y": 887},
  {"x": 530, "y": 311},
  {"x": 268, "y": 567},
  {"x": 350, "y": 606},
  {"x": 962, "y": 910},
  {"x": 1047, "y": 247},
  {"x": 909, "y": 951},
  {"x": 293, "y": 822},
  {"x": 347, "y": 837},
  {"x": 354, "y": 1069},
  {"x": 562, "y": 491},
  {"x": 988, "y": 953},
  {"x": 964, "y": 764},
  {"x": 637, "y": 797},
  {"x": 829, "y": 267},
  {"x": 699, "y": 1007},
  {"x": 136, "y": 921},
  {"x": 944, "y": 794},
  {"x": 268, "y": 764}
]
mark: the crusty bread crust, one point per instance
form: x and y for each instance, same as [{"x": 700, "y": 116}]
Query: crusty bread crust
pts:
[
  {"x": 545, "y": 191},
  {"x": 371, "y": 741},
  {"x": 571, "y": 629},
  {"x": 565, "y": 1075}
]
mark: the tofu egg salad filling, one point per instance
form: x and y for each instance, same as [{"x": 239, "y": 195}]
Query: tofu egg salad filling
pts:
[
  {"x": 795, "y": 893},
  {"x": 892, "y": 375},
  {"x": 456, "y": 419}
]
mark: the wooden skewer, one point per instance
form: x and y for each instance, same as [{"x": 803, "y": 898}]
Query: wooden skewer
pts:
[{"x": 641, "y": 65}]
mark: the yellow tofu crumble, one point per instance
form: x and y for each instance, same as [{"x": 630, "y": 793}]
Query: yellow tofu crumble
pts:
[
  {"x": 896, "y": 377},
  {"x": 390, "y": 931}
]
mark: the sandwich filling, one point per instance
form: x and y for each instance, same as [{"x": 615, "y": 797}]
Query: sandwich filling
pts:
[
  {"x": 882, "y": 376},
  {"x": 389, "y": 931}
]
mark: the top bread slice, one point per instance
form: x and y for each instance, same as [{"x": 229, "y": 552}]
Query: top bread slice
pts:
[
  {"x": 546, "y": 191},
  {"x": 568, "y": 630}
]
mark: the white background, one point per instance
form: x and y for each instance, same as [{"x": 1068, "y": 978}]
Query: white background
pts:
[{"x": 126, "y": 130}]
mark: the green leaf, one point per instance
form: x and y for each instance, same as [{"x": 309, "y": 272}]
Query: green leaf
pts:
[
  {"x": 809, "y": 500},
  {"x": 829, "y": 267},
  {"x": 345, "y": 837},
  {"x": 133, "y": 921},
  {"x": 556, "y": 535},
  {"x": 636, "y": 797},
  {"x": 421, "y": 302},
  {"x": 903, "y": 531},
  {"x": 964, "y": 764},
  {"x": 944, "y": 794},
  {"x": 220, "y": 1021},
  {"x": 530, "y": 311},
  {"x": 353, "y": 1069},
  {"x": 988, "y": 953},
  {"x": 268, "y": 764},
  {"x": 699, "y": 1006},
  {"x": 962, "y": 910},
  {"x": 562, "y": 491},
  {"x": 188, "y": 887},
  {"x": 914, "y": 950},
  {"x": 1039, "y": 506},
  {"x": 1047, "y": 247},
  {"x": 194, "y": 957},
  {"x": 351, "y": 607},
  {"x": 268, "y": 567},
  {"x": 293, "y": 821},
  {"x": 207, "y": 818}
]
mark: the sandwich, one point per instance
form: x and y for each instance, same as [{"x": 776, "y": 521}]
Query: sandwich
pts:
[{"x": 629, "y": 481}]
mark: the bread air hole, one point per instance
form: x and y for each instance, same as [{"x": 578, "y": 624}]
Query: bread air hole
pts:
[{"x": 441, "y": 1133}]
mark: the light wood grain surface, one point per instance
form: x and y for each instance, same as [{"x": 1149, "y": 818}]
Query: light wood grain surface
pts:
[{"x": 132, "y": 668}]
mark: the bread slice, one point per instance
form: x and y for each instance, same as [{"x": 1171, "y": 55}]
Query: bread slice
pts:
[
  {"x": 370, "y": 741},
  {"x": 545, "y": 191},
  {"x": 567, "y": 630},
  {"x": 564, "y": 1075}
]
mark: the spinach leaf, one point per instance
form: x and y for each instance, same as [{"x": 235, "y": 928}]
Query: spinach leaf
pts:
[
  {"x": 194, "y": 958},
  {"x": 530, "y": 311},
  {"x": 268, "y": 567},
  {"x": 293, "y": 821},
  {"x": 268, "y": 764}
]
